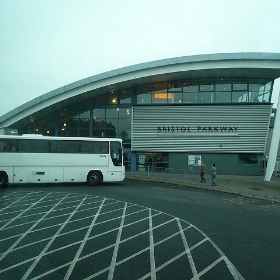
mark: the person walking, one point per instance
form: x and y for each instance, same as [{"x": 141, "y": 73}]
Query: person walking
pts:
[
  {"x": 202, "y": 172},
  {"x": 213, "y": 172}
]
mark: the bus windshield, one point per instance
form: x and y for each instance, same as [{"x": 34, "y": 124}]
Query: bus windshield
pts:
[{"x": 116, "y": 153}]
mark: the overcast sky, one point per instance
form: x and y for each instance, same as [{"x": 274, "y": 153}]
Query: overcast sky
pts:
[{"x": 46, "y": 44}]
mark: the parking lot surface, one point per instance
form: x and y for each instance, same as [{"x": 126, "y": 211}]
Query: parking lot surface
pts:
[{"x": 57, "y": 235}]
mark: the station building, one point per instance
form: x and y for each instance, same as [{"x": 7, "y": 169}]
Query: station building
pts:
[{"x": 170, "y": 113}]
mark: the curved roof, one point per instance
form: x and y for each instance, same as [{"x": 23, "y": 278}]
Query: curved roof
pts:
[{"x": 253, "y": 65}]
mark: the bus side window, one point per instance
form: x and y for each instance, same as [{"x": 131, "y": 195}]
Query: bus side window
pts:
[
  {"x": 40, "y": 146},
  {"x": 24, "y": 146},
  {"x": 2, "y": 146},
  {"x": 8, "y": 146},
  {"x": 104, "y": 147}
]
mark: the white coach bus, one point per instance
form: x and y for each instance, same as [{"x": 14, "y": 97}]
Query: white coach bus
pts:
[{"x": 47, "y": 159}]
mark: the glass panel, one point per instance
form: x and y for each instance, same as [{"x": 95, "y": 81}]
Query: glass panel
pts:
[
  {"x": 160, "y": 94},
  {"x": 223, "y": 97},
  {"x": 254, "y": 96},
  {"x": 266, "y": 97},
  {"x": 111, "y": 128},
  {"x": 58, "y": 146},
  {"x": 160, "y": 87},
  {"x": 156, "y": 162},
  {"x": 249, "y": 159},
  {"x": 240, "y": 86},
  {"x": 84, "y": 124},
  {"x": 40, "y": 146},
  {"x": 110, "y": 133},
  {"x": 94, "y": 147},
  {"x": 85, "y": 115},
  {"x": 125, "y": 133},
  {"x": 99, "y": 132},
  {"x": 124, "y": 113},
  {"x": 24, "y": 146},
  {"x": 268, "y": 86},
  {"x": 112, "y": 123},
  {"x": 206, "y": 97},
  {"x": 206, "y": 87},
  {"x": 8, "y": 145},
  {"x": 74, "y": 132},
  {"x": 260, "y": 90},
  {"x": 116, "y": 153},
  {"x": 175, "y": 97},
  {"x": 112, "y": 113},
  {"x": 175, "y": 87},
  {"x": 99, "y": 123},
  {"x": 72, "y": 123},
  {"x": 112, "y": 98},
  {"x": 190, "y": 97},
  {"x": 84, "y": 132},
  {"x": 99, "y": 114},
  {"x": 190, "y": 87},
  {"x": 127, "y": 160},
  {"x": 99, "y": 100},
  {"x": 254, "y": 87},
  {"x": 125, "y": 124},
  {"x": 223, "y": 86},
  {"x": 239, "y": 96},
  {"x": 145, "y": 89},
  {"x": 125, "y": 96},
  {"x": 161, "y": 97},
  {"x": 145, "y": 98}
]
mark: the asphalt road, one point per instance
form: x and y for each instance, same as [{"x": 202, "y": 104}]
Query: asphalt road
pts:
[{"x": 136, "y": 230}]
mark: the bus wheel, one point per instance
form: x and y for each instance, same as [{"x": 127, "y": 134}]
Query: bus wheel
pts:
[
  {"x": 3, "y": 179},
  {"x": 94, "y": 178}
]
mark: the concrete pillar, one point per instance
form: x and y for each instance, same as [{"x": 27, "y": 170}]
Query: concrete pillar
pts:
[{"x": 274, "y": 144}]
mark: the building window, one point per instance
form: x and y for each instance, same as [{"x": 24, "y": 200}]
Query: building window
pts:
[
  {"x": 125, "y": 96},
  {"x": 249, "y": 159}
]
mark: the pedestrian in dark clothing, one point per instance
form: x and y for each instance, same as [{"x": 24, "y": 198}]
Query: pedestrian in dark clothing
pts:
[
  {"x": 202, "y": 172},
  {"x": 213, "y": 172}
]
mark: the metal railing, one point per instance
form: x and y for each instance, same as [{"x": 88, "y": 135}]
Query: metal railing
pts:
[{"x": 157, "y": 172}]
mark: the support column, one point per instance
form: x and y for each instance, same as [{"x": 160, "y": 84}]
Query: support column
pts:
[
  {"x": 274, "y": 144},
  {"x": 133, "y": 159}
]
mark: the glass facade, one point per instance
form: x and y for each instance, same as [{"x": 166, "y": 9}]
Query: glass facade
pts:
[{"x": 109, "y": 113}]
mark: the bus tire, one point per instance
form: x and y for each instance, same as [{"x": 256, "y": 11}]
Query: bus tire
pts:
[
  {"x": 94, "y": 178},
  {"x": 3, "y": 179}
]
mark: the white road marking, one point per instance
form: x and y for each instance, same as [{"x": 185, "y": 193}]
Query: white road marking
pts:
[
  {"x": 117, "y": 244},
  {"x": 152, "y": 251},
  {"x": 76, "y": 258},
  {"x": 187, "y": 249},
  {"x": 29, "y": 230},
  {"x": 38, "y": 258},
  {"x": 10, "y": 205},
  {"x": 22, "y": 212},
  {"x": 50, "y": 202}
]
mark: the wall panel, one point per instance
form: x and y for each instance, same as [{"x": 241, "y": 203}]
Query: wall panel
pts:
[{"x": 213, "y": 129}]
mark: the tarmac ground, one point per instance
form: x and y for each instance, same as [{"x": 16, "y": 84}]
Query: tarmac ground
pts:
[{"x": 46, "y": 234}]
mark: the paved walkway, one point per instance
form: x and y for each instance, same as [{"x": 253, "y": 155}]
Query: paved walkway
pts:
[{"x": 253, "y": 186}]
